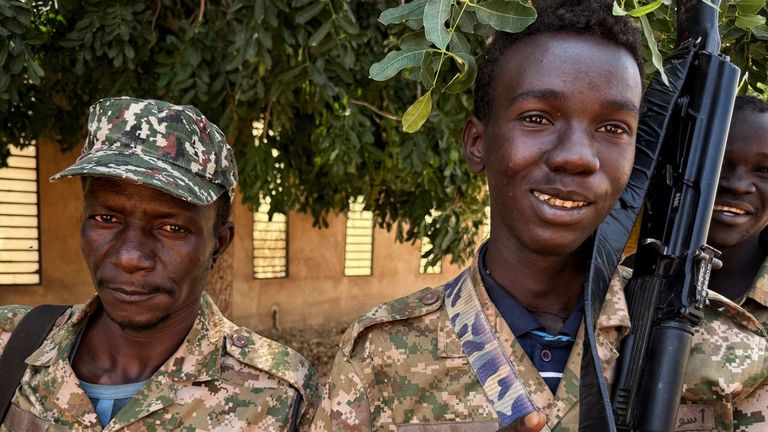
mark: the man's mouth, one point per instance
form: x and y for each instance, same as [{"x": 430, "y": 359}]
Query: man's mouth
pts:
[
  {"x": 559, "y": 201},
  {"x": 729, "y": 210}
]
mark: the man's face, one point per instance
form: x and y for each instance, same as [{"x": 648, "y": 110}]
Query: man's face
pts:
[
  {"x": 148, "y": 252},
  {"x": 741, "y": 205},
  {"x": 559, "y": 144}
]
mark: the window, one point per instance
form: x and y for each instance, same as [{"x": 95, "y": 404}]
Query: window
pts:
[
  {"x": 19, "y": 215},
  {"x": 270, "y": 244},
  {"x": 358, "y": 248},
  {"x": 426, "y": 245}
]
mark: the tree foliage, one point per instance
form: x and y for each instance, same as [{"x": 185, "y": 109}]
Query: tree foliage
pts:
[{"x": 297, "y": 72}]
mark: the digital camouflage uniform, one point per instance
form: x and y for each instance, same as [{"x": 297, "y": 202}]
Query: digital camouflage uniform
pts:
[
  {"x": 401, "y": 367},
  {"x": 755, "y": 301},
  {"x": 222, "y": 378}
]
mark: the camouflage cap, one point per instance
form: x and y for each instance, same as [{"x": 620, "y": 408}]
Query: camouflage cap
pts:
[{"x": 173, "y": 148}]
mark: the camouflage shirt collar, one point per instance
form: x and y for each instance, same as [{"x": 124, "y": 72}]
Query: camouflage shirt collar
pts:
[
  {"x": 759, "y": 290},
  {"x": 613, "y": 316},
  {"x": 197, "y": 359}
]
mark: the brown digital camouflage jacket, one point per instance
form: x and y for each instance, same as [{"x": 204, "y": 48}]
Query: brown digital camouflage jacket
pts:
[{"x": 222, "y": 378}]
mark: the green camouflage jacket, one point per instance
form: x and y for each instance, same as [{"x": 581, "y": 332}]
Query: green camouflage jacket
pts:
[
  {"x": 222, "y": 378},
  {"x": 756, "y": 299},
  {"x": 400, "y": 367}
]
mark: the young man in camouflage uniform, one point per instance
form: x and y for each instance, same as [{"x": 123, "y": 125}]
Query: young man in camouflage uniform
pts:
[
  {"x": 151, "y": 351},
  {"x": 740, "y": 215},
  {"x": 554, "y": 126}
]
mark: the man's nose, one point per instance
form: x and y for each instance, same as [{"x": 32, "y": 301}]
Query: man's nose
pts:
[
  {"x": 574, "y": 152},
  {"x": 134, "y": 251},
  {"x": 735, "y": 181}
]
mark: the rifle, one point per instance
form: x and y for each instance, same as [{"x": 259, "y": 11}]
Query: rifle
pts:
[{"x": 667, "y": 292}]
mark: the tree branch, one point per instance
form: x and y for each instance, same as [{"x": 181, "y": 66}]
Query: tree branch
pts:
[{"x": 374, "y": 109}]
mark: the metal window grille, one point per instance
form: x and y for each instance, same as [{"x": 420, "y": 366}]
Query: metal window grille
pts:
[
  {"x": 19, "y": 219},
  {"x": 270, "y": 244},
  {"x": 358, "y": 248},
  {"x": 426, "y": 245}
]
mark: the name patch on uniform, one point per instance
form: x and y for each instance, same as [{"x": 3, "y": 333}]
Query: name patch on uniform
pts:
[
  {"x": 695, "y": 417},
  {"x": 487, "y": 426}
]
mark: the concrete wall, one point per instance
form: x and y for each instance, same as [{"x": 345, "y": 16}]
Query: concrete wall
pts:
[{"x": 316, "y": 290}]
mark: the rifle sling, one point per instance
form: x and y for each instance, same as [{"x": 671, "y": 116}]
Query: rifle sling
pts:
[
  {"x": 492, "y": 367},
  {"x": 25, "y": 339}
]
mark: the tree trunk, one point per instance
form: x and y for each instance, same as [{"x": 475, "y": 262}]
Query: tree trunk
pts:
[{"x": 219, "y": 284}]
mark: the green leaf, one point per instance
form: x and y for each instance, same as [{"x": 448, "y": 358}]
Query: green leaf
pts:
[
  {"x": 396, "y": 61},
  {"x": 403, "y": 12},
  {"x": 656, "y": 57},
  {"x": 504, "y": 15},
  {"x": 759, "y": 31},
  {"x": 749, "y": 21},
  {"x": 309, "y": 12},
  {"x": 427, "y": 72},
  {"x": 645, "y": 10},
  {"x": 436, "y": 12},
  {"x": 416, "y": 114},
  {"x": 414, "y": 40},
  {"x": 319, "y": 34},
  {"x": 750, "y": 7},
  {"x": 462, "y": 80},
  {"x": 618, "y": 11},
  {"x": 348, "y": 22}
]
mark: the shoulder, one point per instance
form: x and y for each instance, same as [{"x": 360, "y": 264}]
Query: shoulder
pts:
[
  {"x": 274, "y": 358},
  {"x": 10, "y": 316},
  {"x": 419, "y": 304},
  {"x": 722, "y": 309}
]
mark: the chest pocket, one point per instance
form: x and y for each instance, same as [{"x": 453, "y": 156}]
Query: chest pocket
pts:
[{"x": 486, "y": 426}]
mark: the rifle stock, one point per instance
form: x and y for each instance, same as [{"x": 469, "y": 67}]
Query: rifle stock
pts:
[{"x": 667, "y": 292}]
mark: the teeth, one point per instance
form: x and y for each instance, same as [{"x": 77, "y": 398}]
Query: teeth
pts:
[
  {"x": 729, "y": 209},
  {"x": 549, "y": 199}
]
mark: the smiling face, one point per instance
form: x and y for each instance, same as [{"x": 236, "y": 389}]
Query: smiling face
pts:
[
  {"x": 741, "y": 205},
  {"x": 148, "y": 252},
  {"x": 559, "y": 143}
]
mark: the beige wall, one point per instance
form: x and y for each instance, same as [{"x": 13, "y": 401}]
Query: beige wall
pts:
[{"x": 316, "y": 290}]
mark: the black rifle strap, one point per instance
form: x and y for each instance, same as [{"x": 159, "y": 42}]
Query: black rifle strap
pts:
[{"x": 25, "y": 339}]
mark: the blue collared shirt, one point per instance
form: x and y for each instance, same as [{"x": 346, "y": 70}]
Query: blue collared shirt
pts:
[{"x": 549, "y": 353}]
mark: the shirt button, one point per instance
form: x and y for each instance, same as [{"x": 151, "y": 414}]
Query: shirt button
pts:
[
  {"x": 546, "y": 355},
  {"x": 430, "y": 298},
  {"x": 240, "y": 340}
]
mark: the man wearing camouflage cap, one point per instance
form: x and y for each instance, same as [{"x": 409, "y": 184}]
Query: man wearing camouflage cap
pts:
[{"x": 151, "y": 351}]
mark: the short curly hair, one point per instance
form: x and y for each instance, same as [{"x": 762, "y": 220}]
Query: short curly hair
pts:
[
  {"x": 585, "y": 17},
  {"x": 750, "y": 103}
]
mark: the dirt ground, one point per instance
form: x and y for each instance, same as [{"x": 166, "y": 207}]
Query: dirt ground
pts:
[{"x": 318, "y": 344}]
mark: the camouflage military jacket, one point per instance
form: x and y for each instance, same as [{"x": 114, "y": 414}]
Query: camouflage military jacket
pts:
[
  {"x": 222, "y": 378},
  {"x": 400, "y": 367},
  {"x": 756, "y": 299}
]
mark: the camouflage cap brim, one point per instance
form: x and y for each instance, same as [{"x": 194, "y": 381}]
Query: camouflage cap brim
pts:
[{"x": 147, "y": 170}]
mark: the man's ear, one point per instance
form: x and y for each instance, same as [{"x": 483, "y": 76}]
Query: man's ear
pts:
[
  {"x": 224, "y": 237},
  {"x": 474, "y": 151}
]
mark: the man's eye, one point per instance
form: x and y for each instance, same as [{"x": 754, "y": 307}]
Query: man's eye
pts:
[
  {"x": 173, "y": 228},
  {"x": 103, "y": 218},
  {"x": 535, "y": 119},
  {"x": 612, "y": 129}
]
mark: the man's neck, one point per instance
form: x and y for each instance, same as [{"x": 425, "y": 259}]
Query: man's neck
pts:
[
  {"x": 740, "y": 265},
  {"x": 542, "y": 283},
  {"x": 110, "y": 354}
]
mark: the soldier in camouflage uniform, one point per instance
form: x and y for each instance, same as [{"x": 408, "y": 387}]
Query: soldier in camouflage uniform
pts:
[
  {"x": 151, "y": 351},
  {"x": 740, "y": 213},
  {"x": 555, "y": 118}
]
